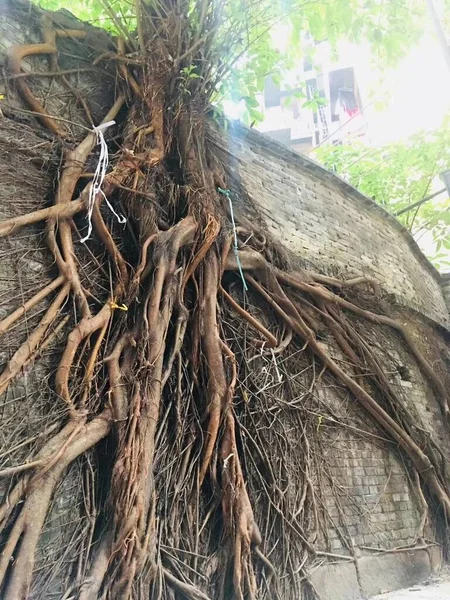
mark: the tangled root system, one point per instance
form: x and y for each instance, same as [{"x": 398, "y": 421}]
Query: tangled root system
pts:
[{"x": 186, "y": 388}]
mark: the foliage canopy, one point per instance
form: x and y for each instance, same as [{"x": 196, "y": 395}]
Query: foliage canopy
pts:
[
  {"x": 398, "y": 175},
  {"x": 395, "y": 175},
  {"x": 390, "y": 28}
]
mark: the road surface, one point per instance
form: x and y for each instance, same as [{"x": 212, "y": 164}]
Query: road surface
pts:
[{"x": 440, "y": 590}]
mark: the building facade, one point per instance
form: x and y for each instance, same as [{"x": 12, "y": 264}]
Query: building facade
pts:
[{"x": 288, "y": 115}]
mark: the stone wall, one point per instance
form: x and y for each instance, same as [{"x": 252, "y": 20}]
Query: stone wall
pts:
[{"x": 329, "y": 223}]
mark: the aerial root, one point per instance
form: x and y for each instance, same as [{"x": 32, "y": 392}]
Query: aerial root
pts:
[
  {"x": 15, "y": 55},
  {"x": 331, "y": 298},
  {"x": 271, "y": 341},
  {"x": 63, "y": 251},
  {"x": 83, "y": 330},
  {"x": 212, "y": 348},
  {"x": 8, "y": 321},
  {"x": 90, "y": 587},
  {"x": 288, "y": 312},
  {"x": 75, "y": 439},
  {"x": 137, "y": 416},
  {"x": 254, "y": 261},
  {"x": 117, "y": 390},
  {"x": 31, "y": 344},
  {"x": 143, "y": 353},
  {"x": 116, "y": 257},
  {"x": 188, "y": 590},
  {"x": 57, "y": 211},
  {"x": 238, "y": 513}
]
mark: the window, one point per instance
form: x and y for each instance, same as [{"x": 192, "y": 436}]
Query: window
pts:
[
  {"x": 343, "y": 92},
  {"x": 272, "y": 93}
]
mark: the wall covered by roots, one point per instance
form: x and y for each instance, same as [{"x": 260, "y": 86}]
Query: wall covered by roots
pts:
[{"x": 191, "y": 408}]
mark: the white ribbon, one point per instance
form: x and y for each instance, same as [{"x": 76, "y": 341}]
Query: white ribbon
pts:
[{"x": 99, "y": 176}]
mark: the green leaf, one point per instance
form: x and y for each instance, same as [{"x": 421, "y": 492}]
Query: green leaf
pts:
[
  {"x": 255, "y": 115},
  {"x": 399, "y": 174},
  {"x": 251, "y": 101}
]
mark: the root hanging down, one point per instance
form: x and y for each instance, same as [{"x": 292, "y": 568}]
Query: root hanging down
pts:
[{"x": 166, "y": 373}]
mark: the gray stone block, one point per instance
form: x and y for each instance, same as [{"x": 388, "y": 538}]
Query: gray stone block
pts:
[
  {"x": 336, "y": 581},
  {"x": 384, "y": 573}
]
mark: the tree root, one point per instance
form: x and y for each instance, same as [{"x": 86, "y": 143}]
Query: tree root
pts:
[
  {"x": 278, "y": 300},
  {"x": 73, "y": 168},
  {"x": 57, "y": 211},
  {"x": 26, "y": 350},
  {"x": 84, "y": 329},
  {"x": 28, "y": 525},
  {"x": 238, "y": 512},
  {"x": 188, "y": 590},
  {"x": 15, "y": 54},
  {"x": 217, "y": 384},
  {"x": 331, "y": 298},
  {"x": 271, "y": 340},
  {"x": 8, "y": 321},
  {"x": 132, "y": 479},
  {"x": 139, "y": 367},
  {"x": 169, "y": 376}
]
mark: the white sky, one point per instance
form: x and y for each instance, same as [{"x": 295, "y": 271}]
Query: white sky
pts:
[
  {"x": 419, "y": 95},
  {"x": 417, "y": 92}
]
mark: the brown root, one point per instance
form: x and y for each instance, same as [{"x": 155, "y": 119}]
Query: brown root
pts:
[
  {"x": 26, "y": 350},
  {"x": 214, "y": 436},
  {"x": 57, "y": 211},
  {"x": 29, "y": 523},
  {"x": 8, "y": 321},
  {"x": 217, "y": 384}
]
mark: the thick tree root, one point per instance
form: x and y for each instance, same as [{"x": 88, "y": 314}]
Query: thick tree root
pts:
[
  {"x": 74, "y": 440},
  {"x": 57, "y": 211},
  {"x": 16, "y": 54}
]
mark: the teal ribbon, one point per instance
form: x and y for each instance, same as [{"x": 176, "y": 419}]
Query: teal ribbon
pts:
[{"x": 227, "y": 193}]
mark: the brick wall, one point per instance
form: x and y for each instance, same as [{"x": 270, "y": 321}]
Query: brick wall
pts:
[
  {"x": 326, "y": 221},
  {"x": 446, "y": 289},
  {"x": 379, "y": 507},
  {"x": 370, "y": 499}
]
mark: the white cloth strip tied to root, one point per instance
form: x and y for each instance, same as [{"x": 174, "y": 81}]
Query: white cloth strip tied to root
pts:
[{"x": 99, "y": 177}]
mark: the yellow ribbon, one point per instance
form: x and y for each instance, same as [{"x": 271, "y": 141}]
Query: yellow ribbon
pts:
[
  {"x": 122, "y": 307},
  {"x": 319, "y": 422}
]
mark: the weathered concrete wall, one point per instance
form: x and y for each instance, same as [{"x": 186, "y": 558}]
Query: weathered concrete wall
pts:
[
  {"x": 326, "y": 221},
  {"x": 371, "y": 575}
]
